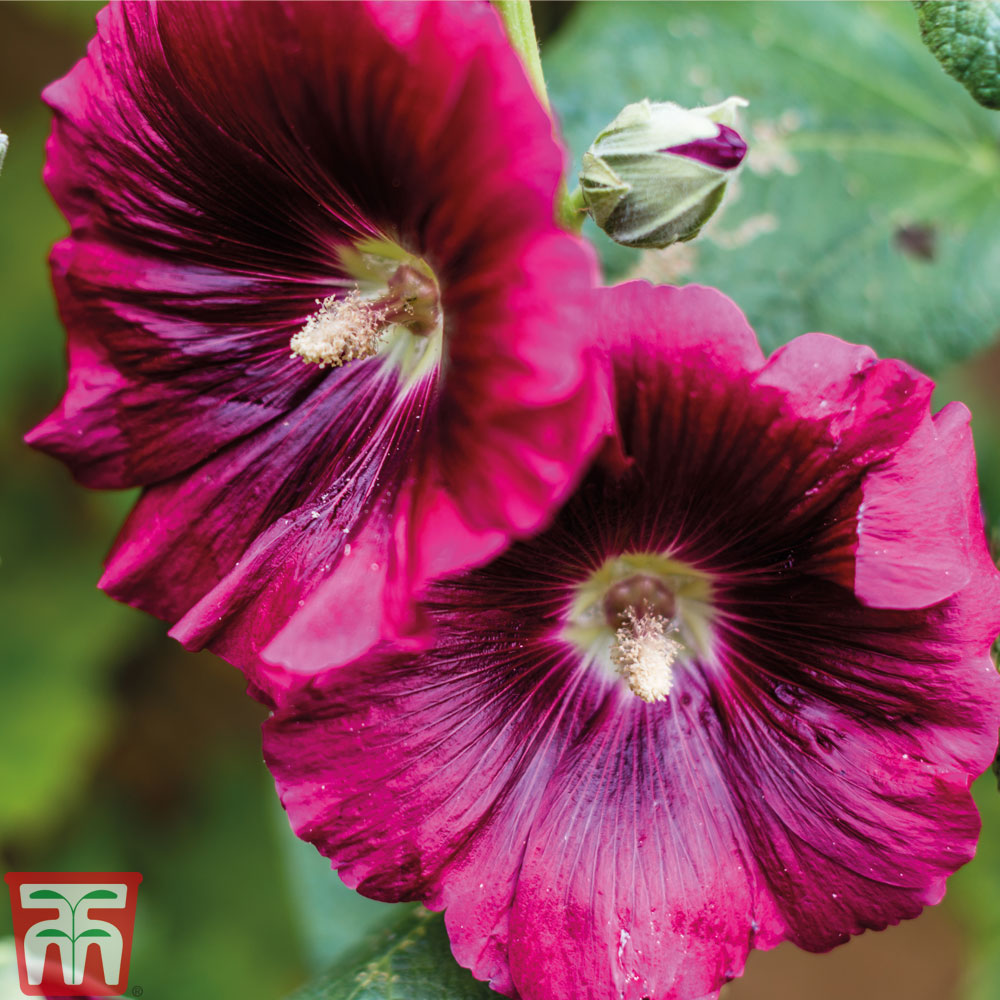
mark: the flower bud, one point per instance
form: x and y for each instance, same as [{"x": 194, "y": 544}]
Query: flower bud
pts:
[
  {"x": 657, "y": 173},
  {"x": 3, "y": 148}
]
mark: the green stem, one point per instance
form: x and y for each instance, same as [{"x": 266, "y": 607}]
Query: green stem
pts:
[
  {"x": 520, "y": 27},
  {"x": 572, "y": 208},
  {"x": 517, "y": 19}
]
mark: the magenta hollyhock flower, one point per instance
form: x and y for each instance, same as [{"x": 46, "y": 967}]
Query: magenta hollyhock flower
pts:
[
  {"x": 735, "y": 694},
  {"x": 317, "y": 307}
]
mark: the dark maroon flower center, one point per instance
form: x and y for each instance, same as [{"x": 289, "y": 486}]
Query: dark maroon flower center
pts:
[
  {"x": 725, "y": 151},
  {"x": 638, "y": 595},
  {"x": 412, "y": 301}
]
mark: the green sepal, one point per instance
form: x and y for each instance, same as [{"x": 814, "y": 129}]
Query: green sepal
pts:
[{"x": 602, "y": 188}]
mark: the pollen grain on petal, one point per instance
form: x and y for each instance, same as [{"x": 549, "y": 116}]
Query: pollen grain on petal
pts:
[
  {"x": 644, "y": 652},
  {"x": 342, "y": 329}
]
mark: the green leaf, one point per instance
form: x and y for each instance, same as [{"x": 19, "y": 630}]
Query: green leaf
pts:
[
  {"x": 53, "y": 933},
  {"x": 410, "y": 960},
  {"x": 965, "y": 39},
  {"x": 93, "y": 933},
  {"x": 47, "y": 894},
  {"x": 868, "y": 206}
]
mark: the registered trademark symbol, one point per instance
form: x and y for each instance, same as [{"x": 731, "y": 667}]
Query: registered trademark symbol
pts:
[{"x": 136, "y": 991}]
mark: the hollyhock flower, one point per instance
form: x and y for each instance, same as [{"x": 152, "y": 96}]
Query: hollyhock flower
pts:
[
  {"x": 317, "y": 306},
  {"x": 734, "y": 694}
]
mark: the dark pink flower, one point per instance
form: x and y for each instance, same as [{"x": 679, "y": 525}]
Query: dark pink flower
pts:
[
  {"x": 734, "y": 694},
  {"x": 317, "y": 306}
]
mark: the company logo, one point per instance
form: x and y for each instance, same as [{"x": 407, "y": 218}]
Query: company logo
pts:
[{"x": 73, "y": 931}]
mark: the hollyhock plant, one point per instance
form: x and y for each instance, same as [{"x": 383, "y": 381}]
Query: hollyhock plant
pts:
[
  {"x": 734, "y": 694},
  {"x": 317, "y": 307}
]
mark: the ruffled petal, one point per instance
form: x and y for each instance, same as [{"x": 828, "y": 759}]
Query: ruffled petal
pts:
[
  {"x": 167, "y": 372},
  {"x": 672, "y": 324},
  {"x": 868, "y": 406},
  {"x": 639, "y": 880},
  {"x": 521, "y": 412},
  {"x": 915, "y": 538},
  {"x": 854, "y": 736},
  {"x": 910, "y": 526},
  {"x": 263, "y": 523},
  {"x": 419, "y": 777}
]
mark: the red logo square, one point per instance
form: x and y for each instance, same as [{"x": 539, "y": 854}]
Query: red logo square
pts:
[{"x": 73, "y": 931}]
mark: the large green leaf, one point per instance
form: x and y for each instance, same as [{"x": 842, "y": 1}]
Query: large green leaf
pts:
[
  {"x": 869, "y": 204},
  {"x": 411, "y": 960},
  {"x": 965, "y": 37}
]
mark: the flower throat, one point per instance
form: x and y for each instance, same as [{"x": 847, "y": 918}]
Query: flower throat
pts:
[
  {"x": 349, "y": 327},
  {"x": 641, "y": 618},
  {"x": 641, "y": 609}
]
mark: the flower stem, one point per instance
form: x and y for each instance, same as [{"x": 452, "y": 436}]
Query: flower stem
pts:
[
  {"x": 573, "y": 209},
  {"x": 520, "y": 27},
  {"x": 517, "y": 19}
]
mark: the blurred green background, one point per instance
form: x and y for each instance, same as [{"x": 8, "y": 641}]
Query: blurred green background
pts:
[{"x": 118, "y": 751}]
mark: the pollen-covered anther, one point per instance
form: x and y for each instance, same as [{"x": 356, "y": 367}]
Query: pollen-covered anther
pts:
[
  {"x": 349, "y": 328},
  {"x": 644, "y": 652},
  {"x": 341, "y": 330}
]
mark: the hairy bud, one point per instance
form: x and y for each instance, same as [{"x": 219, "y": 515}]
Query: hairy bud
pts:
[{"x": 657, "y": 173}]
